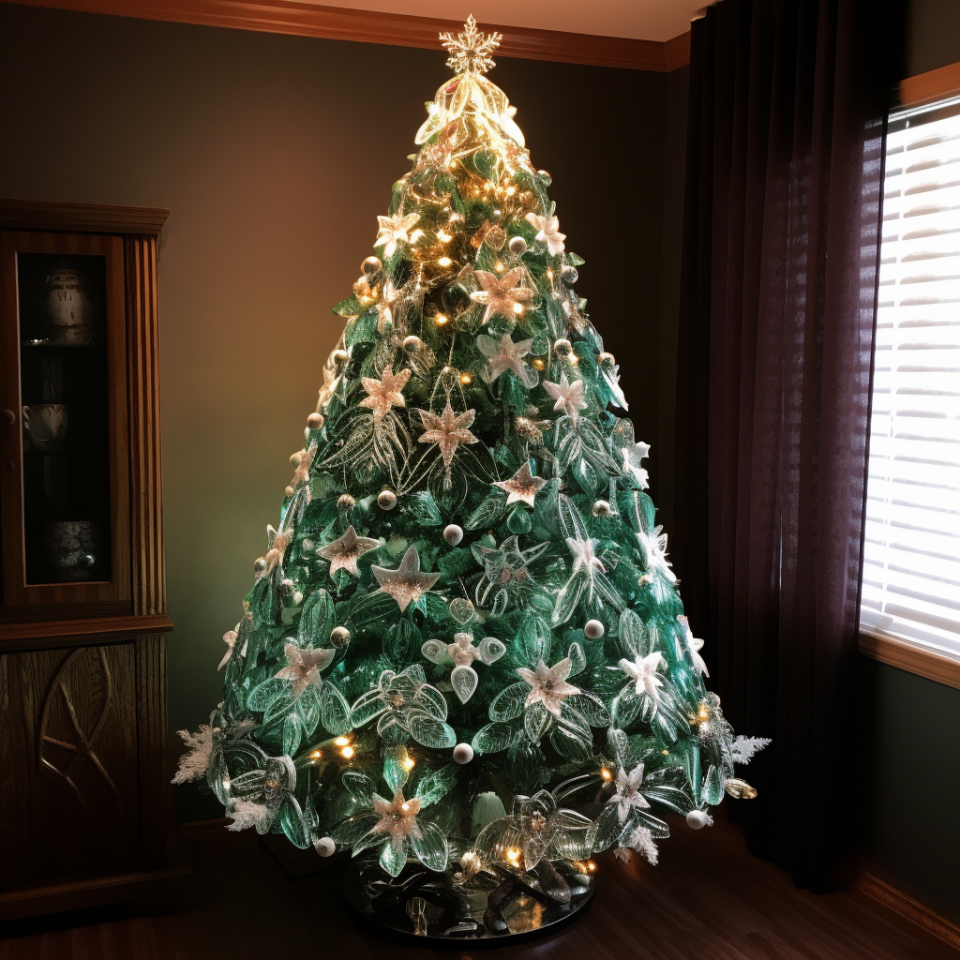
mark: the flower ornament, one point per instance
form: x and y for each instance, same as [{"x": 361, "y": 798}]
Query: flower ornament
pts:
[
  {"x": 398, "y": 819},
  {"x": 523, "y": 486},
  {"x": 277, "y": 543},
  {"x": 568, "y": 396},
  {"x": 406, "y": 706},
  {"x": 575, "y": 319},
  {"x": 304, "y": 666},
  {"x": 230, "y": 639},
  {"x": 505, "y": 355},
  {"x": 385, "y": 393},
  {"x": 463, "y": 653},
  {"x": 447, "y": 431},
  {"x": 548, "y": 231},
  {"x": 501, "y": 295},
  {"x": 257, "y": 797},
  {"x": 344, "y": 552},
  {"x": 389, "y": 297},
  {"x": 694, "y": 646},
  {"x": 627, "y": 794},
  {"x": 302, "y": 473},
  {"x": 394, "y": 827},
  {"x": 644, "y": 672},
  {"x": 394, "y": 231},
  {"x": 654, "y": 546},
  {"x": 548, "y": 685},
  {"x": 584, "y": 556}
]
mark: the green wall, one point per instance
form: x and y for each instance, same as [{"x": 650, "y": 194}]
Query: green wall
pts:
[{"x": 275, "y": 154}]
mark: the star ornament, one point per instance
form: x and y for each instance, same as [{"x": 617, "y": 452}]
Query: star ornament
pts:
[
  {"x": 447, "y": 431},
  {"x": 384, "y": 394},
  {"x": 507, "y": 355},
  {"x": 643, "y": 671},
  {"x": 398, "y": 819},
  {"x": 523, "y": 486},
  {"x": 470, "y": 49},
  {"x": 344, "y": 552},
  {"x": 304, "y": 666},
  {"x": 549, "y": 685},
  {"x": 406, "y": 584},
  {"x": 568, "y": 396},
  {"x": 548, "y": 231},
  {"x": 394, "y": 231},
  {"x": 501, "y": 295}
]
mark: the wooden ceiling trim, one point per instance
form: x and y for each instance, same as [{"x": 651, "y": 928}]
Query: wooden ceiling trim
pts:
[{"x": 366, "y": 26}]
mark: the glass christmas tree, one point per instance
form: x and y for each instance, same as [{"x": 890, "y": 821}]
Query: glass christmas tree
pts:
[{"x": 464, "y": 658}]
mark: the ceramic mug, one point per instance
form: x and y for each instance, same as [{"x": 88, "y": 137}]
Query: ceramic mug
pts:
[
  {"x": 74, "y": 549},
  {"x": 45, "y": 427}
]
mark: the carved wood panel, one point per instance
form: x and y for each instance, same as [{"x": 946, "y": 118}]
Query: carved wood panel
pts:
[{"x": 71, "y": 741}]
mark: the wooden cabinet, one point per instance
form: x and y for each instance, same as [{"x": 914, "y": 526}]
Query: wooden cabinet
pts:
[{"x": 85, "y": 806}]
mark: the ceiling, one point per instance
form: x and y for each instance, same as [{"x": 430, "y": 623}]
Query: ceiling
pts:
[{"x": 632, "y": 19}]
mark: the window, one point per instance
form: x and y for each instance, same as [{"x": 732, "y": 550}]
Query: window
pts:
[{"x": 911, "y": 577}]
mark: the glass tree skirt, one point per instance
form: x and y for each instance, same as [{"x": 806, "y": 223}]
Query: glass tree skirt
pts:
[{"x": 426, "y": 906}]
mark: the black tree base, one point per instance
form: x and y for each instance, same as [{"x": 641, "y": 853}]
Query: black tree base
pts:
[{"x": 427, "y": 908}]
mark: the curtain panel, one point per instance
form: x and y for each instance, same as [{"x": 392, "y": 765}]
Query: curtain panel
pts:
[{"x": 782, "y": 217}]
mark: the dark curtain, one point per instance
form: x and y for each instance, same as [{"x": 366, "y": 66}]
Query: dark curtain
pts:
[{"x": 781, "y": 250}]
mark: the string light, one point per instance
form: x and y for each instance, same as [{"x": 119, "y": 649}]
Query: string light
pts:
[
  {"x": 513, "y": 856},
  {"x": 518, "y": 308},
  {"x": 440, "y": 319},
  {"x": 316, "y": 754},
  {"x": 409, "y": 763},
  {"x": 466, "y": 378},
  {"x": 606, "y": 774},
  {"x": 342, "y": 741},
  {"x": 347, "y": 752},
  {"x": 499, "y": 267},
  {"x": 538, "y": 364},
  {"x": 443, "y": 236},
  {"x": 416, "y": 235},
  {"x": 444, "y": 261}
]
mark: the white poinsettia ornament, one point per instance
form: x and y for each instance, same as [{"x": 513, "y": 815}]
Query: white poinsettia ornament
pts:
[
  {"x": 385, "y": 393},
  {"x": 501, "y": 295},
  {"x": 523, "y": 486},
  {"x": 548, "y": 684},
  {"x": 548, "y": 230},
  {"x": 568, "y": 396},
  {"x": 406, "y": 584},
  {"x": 627, "y": 796},
  {"x": 644, "y": 672},
  {"x": 447, "y": 431},
  {"x": 694, "y": 645},
  {"x": 344, "y": 552},
  {"x": 394, "y": 231},
  {"x": 506, "y": 354},
  {"x": 304, "y": 666}
]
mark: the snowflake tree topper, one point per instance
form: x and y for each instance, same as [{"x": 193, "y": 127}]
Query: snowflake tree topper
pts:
[{"x": 470, "y": 49}]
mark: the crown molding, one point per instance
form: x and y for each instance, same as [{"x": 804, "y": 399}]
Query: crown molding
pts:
[
  {"x": 933, "y": 85},
  {"x": 366, "y": 26}
]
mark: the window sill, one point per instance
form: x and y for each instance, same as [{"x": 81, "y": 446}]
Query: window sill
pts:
[{"x": 911, "y": 657}]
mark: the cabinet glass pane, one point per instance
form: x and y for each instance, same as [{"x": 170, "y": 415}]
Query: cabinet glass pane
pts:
[{"x": 65, "y": 414}]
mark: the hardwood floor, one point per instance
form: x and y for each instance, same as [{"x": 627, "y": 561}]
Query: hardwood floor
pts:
[{"x": 707, "y": 900}]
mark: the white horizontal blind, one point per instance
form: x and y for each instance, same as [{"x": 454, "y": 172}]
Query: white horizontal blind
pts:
[{"x": 911, "y": 576}]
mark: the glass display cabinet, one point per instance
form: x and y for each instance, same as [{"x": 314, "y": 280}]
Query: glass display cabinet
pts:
[{"x": 85, "y": 814}]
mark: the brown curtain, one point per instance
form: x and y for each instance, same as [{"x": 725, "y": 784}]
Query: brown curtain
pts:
[{"x": 781, "y": 245}]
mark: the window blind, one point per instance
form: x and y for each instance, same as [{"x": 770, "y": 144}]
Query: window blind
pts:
[{"x": 911, "y": 575}]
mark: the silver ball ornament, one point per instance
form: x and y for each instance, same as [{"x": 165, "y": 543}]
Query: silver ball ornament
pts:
[
  {"x": 259, "y": 565},
  {"x": 697, "y": 819},
  {"x": 594, "y": 629},
  {"x": 370, "y": 266},
  {"x": 563, "y": 347},
  {"x": 287, "y": 587},
  {"x": 308, "y": 545},
  {"x": 346, "y": 502},
  {"x": 315, "y": 421},
  {"x": 412, "y": 344},
  {"x": 340, "y": 357},
  {"x": 295, "y": 459},
  {"x": 339, "y": 637},
  {"x": 386, "y": 500},
  {"x": 463, "y": 753},
  {"x": 453, "y": 534},
  {"x": 569, "y": 273},
  {"x": 601, "y": 509},
  {"x": 518, "y": 246},
  {"x": 325, "y": 846}
]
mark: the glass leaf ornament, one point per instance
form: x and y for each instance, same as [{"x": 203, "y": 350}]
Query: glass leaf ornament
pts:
[{"x": 467, "y": 606}]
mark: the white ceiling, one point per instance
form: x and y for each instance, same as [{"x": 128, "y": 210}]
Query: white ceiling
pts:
[{"x": 636, "y": 19}]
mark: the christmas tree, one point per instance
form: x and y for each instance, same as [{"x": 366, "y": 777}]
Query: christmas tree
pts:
[{"x": 464, "y": 653}]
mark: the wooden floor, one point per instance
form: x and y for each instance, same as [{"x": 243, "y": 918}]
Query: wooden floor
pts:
[{"x": 707, "y": 900}]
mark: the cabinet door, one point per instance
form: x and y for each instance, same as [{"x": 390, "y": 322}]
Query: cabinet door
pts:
[
  {"x": 64, "y": 487},
  {"x": 68, "y": 762}
]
